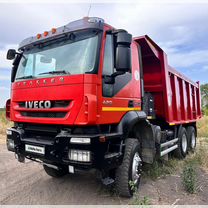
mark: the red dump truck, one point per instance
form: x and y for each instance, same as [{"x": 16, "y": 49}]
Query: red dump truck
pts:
[{"x": 87, "y": 95}]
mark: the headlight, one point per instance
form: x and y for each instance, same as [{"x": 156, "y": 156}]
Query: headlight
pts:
[
  {"x": 8, "y": 132},
  {"x": 10, "y": 144},
  {"x": 75, "y": 140},
  {"x": 79, "y": 155}
]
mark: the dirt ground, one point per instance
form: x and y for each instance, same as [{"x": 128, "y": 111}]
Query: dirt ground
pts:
[{"x": 28, "y": 184}]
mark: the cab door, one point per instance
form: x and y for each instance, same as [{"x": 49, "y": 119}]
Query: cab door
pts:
[{"x": 124, "y": 94}]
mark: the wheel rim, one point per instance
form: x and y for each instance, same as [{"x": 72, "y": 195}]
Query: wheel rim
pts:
[
  {"x": 136, "y": 165},
  {"x": 193, "y": 140},
  {"x": 184, "y": 143}
]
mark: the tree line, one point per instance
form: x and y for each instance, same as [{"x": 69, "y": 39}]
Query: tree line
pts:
[{"x": 204, "y": 98}]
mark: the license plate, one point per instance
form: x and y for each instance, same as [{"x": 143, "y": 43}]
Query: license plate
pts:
[
  {"x": 71, "y": 169},
  {"x": 35, "y": 149}
]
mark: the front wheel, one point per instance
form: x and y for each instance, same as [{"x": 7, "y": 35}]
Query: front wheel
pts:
[
  {"x": 55, "y": 173},
  {"x": 129, "y": 172}
]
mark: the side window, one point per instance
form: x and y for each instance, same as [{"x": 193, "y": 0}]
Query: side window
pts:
[
  {"x": 108, "y": 66},
  {"x": 25, "y": 66},
  {"x": 109, "y": 90}
]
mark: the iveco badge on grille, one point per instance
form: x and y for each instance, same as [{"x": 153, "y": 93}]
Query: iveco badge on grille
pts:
[{"x": 38, "y": 104}]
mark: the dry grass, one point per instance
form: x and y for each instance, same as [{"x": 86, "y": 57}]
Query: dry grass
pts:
[
  {"x": 201, "y": 155},
  {"x": 4, "y": 123},
  {"x": 202, "y": 126},
  {"x": 162, "y": 168}
]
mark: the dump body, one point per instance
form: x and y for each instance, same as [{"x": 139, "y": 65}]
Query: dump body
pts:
[{"x": 177, "y": 98}]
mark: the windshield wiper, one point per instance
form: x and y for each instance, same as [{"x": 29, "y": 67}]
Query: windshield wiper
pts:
[
  {"x": 25, "y": 77},
  {"x": 55, "y": 72}
]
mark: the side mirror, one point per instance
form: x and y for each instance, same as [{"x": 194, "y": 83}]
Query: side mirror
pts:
[
  {"x": 11, "y": 53},
  {"x": 123, "y": 51},
  {"x": 15, "y": 66}
]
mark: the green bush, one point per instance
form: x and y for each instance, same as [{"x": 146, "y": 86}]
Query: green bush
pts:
[
  {"x": 189, "y": 178},
  {"x": 143, "y": 201},
  {"x": 206, "y": 111}
]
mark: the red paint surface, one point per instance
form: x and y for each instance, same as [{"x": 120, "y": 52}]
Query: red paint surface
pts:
[{"x": 177, "y": 99}]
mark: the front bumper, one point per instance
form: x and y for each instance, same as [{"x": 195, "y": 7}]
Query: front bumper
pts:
[{"x": 55, "y": 149}]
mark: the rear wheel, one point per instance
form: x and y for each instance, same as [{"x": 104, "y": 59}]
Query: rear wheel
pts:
[
  {"x": 191, "y": 133},
  {"x": 128, "y": 174},
  {"x": 54, "y": 172},
  {"x": 182, "y": 149}
]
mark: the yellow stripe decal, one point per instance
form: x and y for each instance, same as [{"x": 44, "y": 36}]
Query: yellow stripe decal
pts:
[
  {"x": 120, "y": 109},
  {"x": 171, "y": 124},
  {"x": 149, "y": 117}
]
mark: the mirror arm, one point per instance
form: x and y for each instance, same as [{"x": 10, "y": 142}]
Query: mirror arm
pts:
[
  {"x": 110, "y": 79},
  {"x": 117, "y": 73},
  {"x": 23, "y": 56}
]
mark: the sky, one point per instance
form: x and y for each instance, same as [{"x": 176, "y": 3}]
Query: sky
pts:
[{"x": 179, "y": 27}]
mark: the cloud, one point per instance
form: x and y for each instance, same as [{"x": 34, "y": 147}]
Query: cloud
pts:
[
  {"x": 29, "y": 19},
  {"x": 189, "y": 58},
  {"x": 3, "y": 77},
  {"x": 5, "y": 94},
  {"x": 159, "y": 20},
  {"x": 4, "y": 88},
  {"x": 4, "y": 63},
  {"x": 204, "y": 68},
  {"x": 179, "y": 28}
]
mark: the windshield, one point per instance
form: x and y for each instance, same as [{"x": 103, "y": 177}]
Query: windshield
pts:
[{"x": 73, "y": 55}]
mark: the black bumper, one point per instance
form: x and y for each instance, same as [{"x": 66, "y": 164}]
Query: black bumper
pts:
[{"x": 56, "y": 149}]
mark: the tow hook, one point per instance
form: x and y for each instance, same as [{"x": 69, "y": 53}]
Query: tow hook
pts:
[{"x": 20, "y": 158}]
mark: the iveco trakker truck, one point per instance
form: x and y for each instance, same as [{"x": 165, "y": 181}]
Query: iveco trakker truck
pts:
[{"x": 87, "y": 95}]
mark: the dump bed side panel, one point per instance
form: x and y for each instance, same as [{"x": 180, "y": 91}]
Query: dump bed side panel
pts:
[
  {"x": 183, "y": 98},
  {"x": 177, "y": 98}
]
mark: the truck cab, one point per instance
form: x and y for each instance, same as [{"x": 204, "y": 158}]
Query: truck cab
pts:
[{"x": 79, "y": 101}]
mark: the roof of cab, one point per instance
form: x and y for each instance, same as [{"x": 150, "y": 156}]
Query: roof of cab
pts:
[{"x": 84, "y": 23}]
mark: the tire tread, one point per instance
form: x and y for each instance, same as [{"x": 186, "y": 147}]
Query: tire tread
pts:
[
  {"x": 178, "y": 152},
  {"x": 122, "y": 173},
  {"x": 189, "y": 131}
]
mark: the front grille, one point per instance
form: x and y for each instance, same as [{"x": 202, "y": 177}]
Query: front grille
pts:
[
  {"x": 54, "y": 104},
  {"x": 44, "y": 114},
  {"x": 41, "y": 128}
]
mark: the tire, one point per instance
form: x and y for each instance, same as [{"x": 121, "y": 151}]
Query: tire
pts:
[
  {"x": 182, "y": 149},
  {"x": 54, "y": 172},
  {"x": 129, "y": 170},
  {"x": 191, "y": 134}
]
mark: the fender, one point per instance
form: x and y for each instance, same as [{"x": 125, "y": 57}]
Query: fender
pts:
[
  {"x": 129, "y": 120},
  {"x": 134, "y": 124}
]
